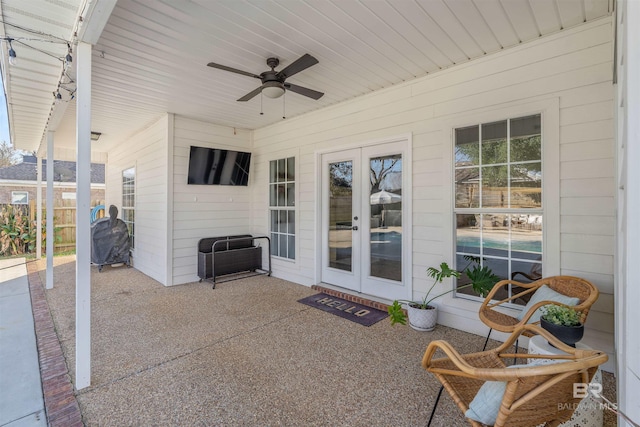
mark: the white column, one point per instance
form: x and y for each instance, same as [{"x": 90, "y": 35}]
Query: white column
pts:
[
  {"x": 83, "y": 216},
  {"x": 39, "y": 207},
  {"x": 50, "y": 213},
  {"x": 628, "y": 345}
]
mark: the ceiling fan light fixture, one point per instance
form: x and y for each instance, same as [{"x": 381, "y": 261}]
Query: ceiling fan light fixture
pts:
[{"x": 272, "y": 90}]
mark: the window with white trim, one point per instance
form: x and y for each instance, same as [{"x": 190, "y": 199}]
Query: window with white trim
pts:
[
  {"x": 282, "y": 207},
  {"x": 498, "y": 198},
  {"x": 129, "y": 201},
  {"x": 19, "y": 197}
]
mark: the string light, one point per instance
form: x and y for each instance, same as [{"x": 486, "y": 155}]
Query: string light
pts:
[
  {"x": 12, "y": 54},
  {"x": 68, "y": 60}
]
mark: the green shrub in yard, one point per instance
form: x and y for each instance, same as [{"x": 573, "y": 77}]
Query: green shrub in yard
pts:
[
  {"x": 14, "y": 231},
  {"x": 17, "y": 232}
]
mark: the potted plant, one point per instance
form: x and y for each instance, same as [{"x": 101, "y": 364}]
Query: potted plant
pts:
[
  {"x": 563, "y": 322},
  {"x": 421, "y": 314}
]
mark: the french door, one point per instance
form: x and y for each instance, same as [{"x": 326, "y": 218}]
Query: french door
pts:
[{"x": 364, "y": 214}]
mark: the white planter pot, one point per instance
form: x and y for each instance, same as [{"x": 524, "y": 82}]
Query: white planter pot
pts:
[{"x": 423, "y": 319}]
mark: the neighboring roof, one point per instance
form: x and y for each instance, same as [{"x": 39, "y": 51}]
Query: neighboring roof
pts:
[{"x": 62, "y": 171}]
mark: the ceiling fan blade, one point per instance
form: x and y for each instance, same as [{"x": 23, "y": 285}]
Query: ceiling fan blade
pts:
[
  {"x": 233, "y": 70},
  {"x": 302, "y": 63},
  {"x": 303, "y": 91},
  {"x": 251, "y": 94}
]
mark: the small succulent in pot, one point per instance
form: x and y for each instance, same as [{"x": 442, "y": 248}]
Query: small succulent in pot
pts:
[
  {"x": 561, "y": 315},
  {"x": 564, "y": 322}
]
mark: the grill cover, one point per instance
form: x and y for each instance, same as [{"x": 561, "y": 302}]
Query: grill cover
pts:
[{"x": 110, "y": 242}]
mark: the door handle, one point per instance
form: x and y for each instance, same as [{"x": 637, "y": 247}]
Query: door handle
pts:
[{"x": 354, "y": 228}]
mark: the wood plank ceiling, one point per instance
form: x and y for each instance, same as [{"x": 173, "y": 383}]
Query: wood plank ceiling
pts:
[{"x": 152, "y": 55}]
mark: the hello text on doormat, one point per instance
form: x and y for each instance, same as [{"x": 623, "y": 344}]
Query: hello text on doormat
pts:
[{"x": 358, "y": 313}]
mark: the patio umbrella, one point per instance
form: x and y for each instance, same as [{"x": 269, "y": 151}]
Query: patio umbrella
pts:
[{"x": 384, "y": 198}]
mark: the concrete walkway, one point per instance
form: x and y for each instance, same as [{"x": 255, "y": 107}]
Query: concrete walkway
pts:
[{"x": 21, "y": 401}]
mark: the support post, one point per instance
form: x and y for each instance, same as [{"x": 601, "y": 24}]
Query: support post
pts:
[
  {"x": 83, "y": 217},
  {"x": 50, "y": 213},
  {"x": 39, "y": 207}
]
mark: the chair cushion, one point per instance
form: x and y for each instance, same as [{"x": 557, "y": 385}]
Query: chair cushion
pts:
[
  {"x": 485, "y": 405},
  {"x": 545, "y": 293}
]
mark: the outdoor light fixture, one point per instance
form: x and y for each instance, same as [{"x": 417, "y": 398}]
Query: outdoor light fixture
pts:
[
  {"x": 95, "y": 136},
  {"x": 12, "y": 54},
  {"x": 68, "y": 59},
  {"x": 273, "y": 89}
]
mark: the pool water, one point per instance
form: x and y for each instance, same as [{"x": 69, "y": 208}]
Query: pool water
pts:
[{"x": 489, "y": 243}]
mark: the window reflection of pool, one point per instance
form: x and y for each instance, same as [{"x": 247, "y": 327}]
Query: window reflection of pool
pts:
[{"x": 470, "y": 242}]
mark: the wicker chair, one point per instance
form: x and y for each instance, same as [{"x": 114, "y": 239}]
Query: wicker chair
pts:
[
  {"x": 585, "y": 291},
  {"x": 532, "y": 394}
]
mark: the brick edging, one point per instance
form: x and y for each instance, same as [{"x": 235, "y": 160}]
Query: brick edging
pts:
[
  {"x": 60, "y": 402},
  {"x": 352, "y": 298}
]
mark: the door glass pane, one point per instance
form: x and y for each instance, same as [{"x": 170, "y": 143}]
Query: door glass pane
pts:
[
  {"x": 385, "y": 207},
  {"x": 340, "y": 214}
]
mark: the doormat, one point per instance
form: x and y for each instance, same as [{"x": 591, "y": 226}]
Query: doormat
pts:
[{"x": 358, "y": 313}]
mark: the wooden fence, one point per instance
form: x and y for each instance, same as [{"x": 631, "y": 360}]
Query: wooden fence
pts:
[{"x": 64, "y": 222}]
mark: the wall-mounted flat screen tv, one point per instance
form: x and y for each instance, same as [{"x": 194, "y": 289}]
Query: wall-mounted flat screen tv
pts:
[{"x": 213, "y": 166}]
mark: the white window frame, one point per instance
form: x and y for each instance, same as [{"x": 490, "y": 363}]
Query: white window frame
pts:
[
  {"x": 126, "y": 208},
  {"x": 14, "y": 194},
  {"x": 549, "y": 110},
  {"x": 293, "y": 209}
]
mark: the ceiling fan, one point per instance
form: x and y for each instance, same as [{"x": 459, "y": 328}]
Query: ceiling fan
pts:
[{"x": 274, "y": 82}]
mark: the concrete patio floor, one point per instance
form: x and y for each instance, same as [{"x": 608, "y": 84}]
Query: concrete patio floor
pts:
[{"x": 245, "y": 354}]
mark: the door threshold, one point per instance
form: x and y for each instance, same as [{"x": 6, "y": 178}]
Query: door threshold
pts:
[{"x": 353, "y": 296}]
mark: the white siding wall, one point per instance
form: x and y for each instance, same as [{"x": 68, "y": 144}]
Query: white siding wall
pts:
[
  {"x": 205, "y": 210},
  {"x": 147, "y": 152},
  {"x": 572, "y": 69}
]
